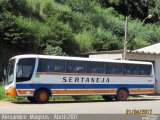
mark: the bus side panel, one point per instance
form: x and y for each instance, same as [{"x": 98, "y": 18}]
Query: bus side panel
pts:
[{"x": 86, "y": 85}]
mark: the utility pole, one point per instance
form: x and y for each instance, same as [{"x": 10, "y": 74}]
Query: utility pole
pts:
[{"x": 124, "y": 57}]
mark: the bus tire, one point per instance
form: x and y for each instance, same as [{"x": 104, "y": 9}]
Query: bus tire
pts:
[
  {"x": 31, "y": 99},
  {"x": 42, "y": 96},
  {"x": 122, "y": 95},
  {"x": 107, "y": 97}
]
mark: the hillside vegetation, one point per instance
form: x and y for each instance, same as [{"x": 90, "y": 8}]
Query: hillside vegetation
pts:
[{"x": 71, "y": 27}]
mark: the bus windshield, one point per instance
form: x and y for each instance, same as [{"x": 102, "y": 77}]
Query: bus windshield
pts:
[{"x": 10, "y": 72}]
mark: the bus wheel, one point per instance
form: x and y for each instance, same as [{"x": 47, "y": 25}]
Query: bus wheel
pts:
[
  {"x": 42, "y": 96},
  {"x": 107, "y": 97},
  {"x": 122, "y": 95},
  {"x": 31, "y": 99}
]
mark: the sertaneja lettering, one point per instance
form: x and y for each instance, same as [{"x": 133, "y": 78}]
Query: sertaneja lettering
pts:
[{"x": 85, "y": 80}]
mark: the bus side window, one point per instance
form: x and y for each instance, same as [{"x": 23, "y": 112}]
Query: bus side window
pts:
[
  {"x": 126, "y": 68},
  {"x": 95, "y": 67},
  {"x": 75, "y": 66},
  {"x": 45, "y": 65},
  {"x": 48, "y": 65},
  {"x": 25, "y": 68},
  {"x": 59, "y": 65},
  {"x": 51, "y": 65},
  {"x": 113, "y": 68},
  {"x": 134, "y": 69},
  {"x": 148, "y": 69},
  {"x": 145, "y": 69}
]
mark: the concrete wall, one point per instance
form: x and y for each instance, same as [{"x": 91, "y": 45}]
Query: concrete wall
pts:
[
  {"x": 107, "y": 56},
  {"x": 157, "y": 75},
  {"x": 143, "y": 57}
]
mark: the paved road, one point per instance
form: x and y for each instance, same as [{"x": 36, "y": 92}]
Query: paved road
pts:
[{"x": 92, "y": 107}]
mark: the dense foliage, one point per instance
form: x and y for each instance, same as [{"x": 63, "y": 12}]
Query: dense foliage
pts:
[{"x": 71, "y": 27}]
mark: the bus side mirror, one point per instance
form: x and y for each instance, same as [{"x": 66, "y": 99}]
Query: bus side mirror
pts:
[
  {"x": 4, "y": 75},
  {"x": 5, "y": 72}
]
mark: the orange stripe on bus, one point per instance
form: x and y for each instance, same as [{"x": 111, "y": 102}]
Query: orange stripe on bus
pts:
[
  {"x": 32, "y": 91},
  {"x": 142, "y": 90},
  {"x": 25, "y": 91},
  {"x": 82, "y": 91}
]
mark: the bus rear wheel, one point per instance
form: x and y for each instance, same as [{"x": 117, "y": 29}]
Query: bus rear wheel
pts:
[
  {"x": 107, "y": 97},
  {"x": 122, "y": 95},
  {"x": 31, "y": 99},
  {"x": 42, "y": 96}
]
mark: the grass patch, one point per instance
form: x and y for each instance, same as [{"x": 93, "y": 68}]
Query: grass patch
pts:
[
  {"x": 87, "y": 97},
  {"x": 62, "y": 98},
  {"x": 4, "y": 97},
  {"x": 75, "y": 98},
  {"x": 135, "y": 96}
]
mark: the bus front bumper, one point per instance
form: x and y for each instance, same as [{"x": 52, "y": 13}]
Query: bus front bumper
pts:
[{"x": 11, "y": 92}]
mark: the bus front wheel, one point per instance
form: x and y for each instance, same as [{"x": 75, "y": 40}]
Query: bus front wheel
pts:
[
  {"x": 42, "y": 96},
  {"x": 31, "y": 99},
  {"x": 122, "y": 95}
]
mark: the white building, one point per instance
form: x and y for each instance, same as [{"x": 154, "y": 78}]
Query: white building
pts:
[{"x": 149, "y": 53}]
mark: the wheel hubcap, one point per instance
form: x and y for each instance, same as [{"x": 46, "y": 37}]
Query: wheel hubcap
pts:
[
  {"x": 43, "y": 96},
  {"x": 122, "y": 95}
]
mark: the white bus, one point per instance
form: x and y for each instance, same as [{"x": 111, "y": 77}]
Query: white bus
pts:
[{"x": 38, "y": 77}]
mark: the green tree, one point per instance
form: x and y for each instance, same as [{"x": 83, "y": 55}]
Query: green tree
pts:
[
  {"x": 135, "y": 8},
  {"x": 82, "y": 6},
  {"x": 49, "y": 50},
  {"x": 74, "y": 26},
  {"x": 154, "y": 10}
]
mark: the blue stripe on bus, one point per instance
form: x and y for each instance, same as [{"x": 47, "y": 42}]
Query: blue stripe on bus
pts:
[{"x": 82, "y": 86}]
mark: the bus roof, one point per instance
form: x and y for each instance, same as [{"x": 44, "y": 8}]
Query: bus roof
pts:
[{"x": 78, "y": 58}]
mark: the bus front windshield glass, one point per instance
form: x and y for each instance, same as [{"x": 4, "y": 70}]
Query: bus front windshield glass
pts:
[{"x": 10, "y": 72}]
